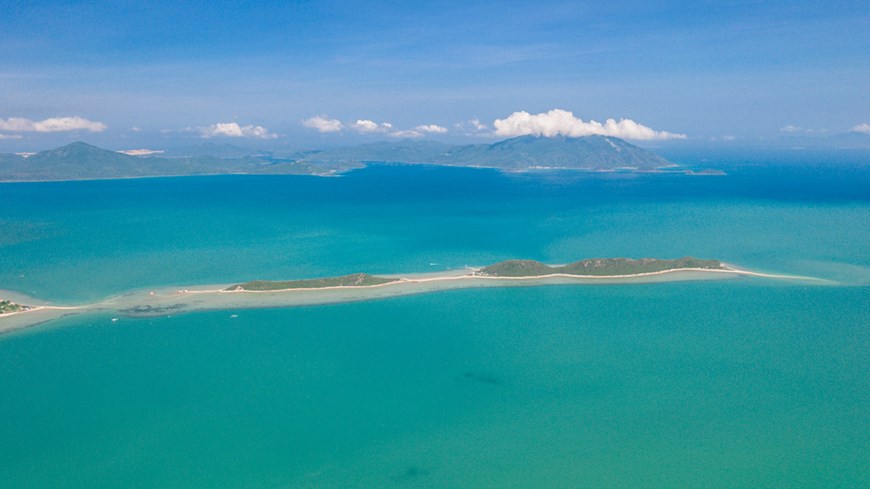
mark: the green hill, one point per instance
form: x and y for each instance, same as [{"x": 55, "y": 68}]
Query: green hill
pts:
[
  {"x": 81, "y": 161},
  {"x": 628, "y": 266},
  {"x": 517, "y": 268},
  {"x": 595, "y": 266},
  {"x": 586, "y": 153},
  {"x": 515, "y": 154}
]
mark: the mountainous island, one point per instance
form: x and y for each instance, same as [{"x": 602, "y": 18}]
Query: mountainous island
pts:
[{"x": 82, "y": 161}]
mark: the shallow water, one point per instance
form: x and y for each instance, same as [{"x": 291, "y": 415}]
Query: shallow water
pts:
[{"x": 739, "y": 383}]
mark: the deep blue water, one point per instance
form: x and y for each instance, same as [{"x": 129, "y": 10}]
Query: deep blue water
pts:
[{"x": 739, "y": 383}]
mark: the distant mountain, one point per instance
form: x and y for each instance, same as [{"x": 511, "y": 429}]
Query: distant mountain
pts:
[
  {"x": 516, "y": 154},
  {"x": 845, "y": 140},
  {"x": 851, "y": 140},
  {"x": 429, "y": 152},
  {"x": 10, "y": 159},
  {"x": 217, "y": 150},
  {"x": 586, "y": 153},
  {"x": 81, "y": 161}
]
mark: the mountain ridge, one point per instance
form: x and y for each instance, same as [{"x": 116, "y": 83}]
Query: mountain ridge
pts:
[{"x": 83, "y": 161}]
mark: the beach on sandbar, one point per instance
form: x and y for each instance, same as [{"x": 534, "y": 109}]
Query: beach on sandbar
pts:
[{"x": 160, "y": 302}]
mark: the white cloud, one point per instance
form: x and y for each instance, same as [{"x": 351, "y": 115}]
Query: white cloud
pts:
[
  {"x": 52, "y": 124},
  {"x": 323, "y": 124},
  {"x": 406, "y": 134},
  {"x": 791, "y": 128},
  {"x": 862, "y": 128},
  {"x": 10, "y": 136},
  {"x": 366, "y": 126},
  {"x": 234, "y": 130},
  {"x": 140, "y": 152},
  {"x": 431, "y": 129},
  {"x": 558, "y": 122},
  {"x": 472, "y": 127}
]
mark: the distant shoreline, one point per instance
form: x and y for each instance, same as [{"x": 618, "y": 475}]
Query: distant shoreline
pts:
[
  {"x": 667, "y": 170},
  {"x": 164, "y": 302}
]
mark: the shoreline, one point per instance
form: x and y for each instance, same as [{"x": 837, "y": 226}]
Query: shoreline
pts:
[
  {"x": 405, "y": 280},
  {"x": 672, "y": 169},
  {"x": 162, "y": 302}
]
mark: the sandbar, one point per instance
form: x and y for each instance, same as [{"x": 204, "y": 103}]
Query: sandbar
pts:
[{"x": 164, "y": 302}]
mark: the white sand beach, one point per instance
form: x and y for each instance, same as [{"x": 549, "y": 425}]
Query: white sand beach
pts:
[{"x": 161, "y": 302}]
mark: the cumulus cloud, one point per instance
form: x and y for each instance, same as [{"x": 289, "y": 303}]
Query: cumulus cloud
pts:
[
  {"x": 419, "y": 131},
  {"x": 558, "y": 122},
  {"x": 323, "y": 124},
  {"x": 10, "y": 136},
  {"x": 234, "y": 130},
  {"x": 791, "y": 128},
  {"x": 52, "y": 124},
  {"x": 862, "y": 128},
  {"x": 366, "y": 126},
  {"x": 431, "y": 129}
]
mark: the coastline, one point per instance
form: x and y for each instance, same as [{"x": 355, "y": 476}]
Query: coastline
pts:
[{"x": 161, "y": 302}]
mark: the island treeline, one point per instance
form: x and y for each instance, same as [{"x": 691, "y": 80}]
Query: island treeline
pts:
[
  {"x": 7, "y": 307},
  {"x": 352, "y": 280}
]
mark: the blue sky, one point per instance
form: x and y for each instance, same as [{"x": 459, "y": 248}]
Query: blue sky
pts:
[{"x": 150, "y": 74}]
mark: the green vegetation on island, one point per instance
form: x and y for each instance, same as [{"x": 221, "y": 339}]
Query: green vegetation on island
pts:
[
  {"x": 595, "y": 266},
  {"x": 600, "y": 267},
  {"x": 7, "y": 307},
  {"x": 353, "y": 280}
]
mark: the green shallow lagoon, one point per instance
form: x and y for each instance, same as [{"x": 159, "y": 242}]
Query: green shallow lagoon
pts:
[{"x": 680, "y": 385}]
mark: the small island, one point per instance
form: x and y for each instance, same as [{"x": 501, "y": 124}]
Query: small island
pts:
[
  {"x": 352, "y": 280},
  {"x": 598, "y": 267},
  {"x": 595, "y": 267},
  {"x": 9, "y": 307}
]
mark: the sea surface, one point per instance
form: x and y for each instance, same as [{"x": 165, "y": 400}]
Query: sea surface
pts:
[{"x": 738, "y": 383}]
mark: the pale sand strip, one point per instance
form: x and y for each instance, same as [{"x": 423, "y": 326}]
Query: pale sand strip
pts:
[
  {"x": 471, "y": 276},
  {"x": 167, "y": 302}
]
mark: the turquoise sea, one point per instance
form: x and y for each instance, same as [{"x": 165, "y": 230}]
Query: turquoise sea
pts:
[{"x": 744, "y": 383}]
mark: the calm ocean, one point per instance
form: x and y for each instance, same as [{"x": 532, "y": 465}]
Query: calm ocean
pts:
[{"x": 736, "y": 383}]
